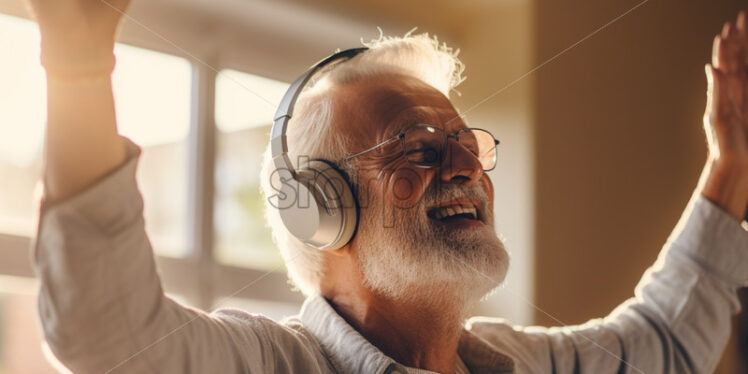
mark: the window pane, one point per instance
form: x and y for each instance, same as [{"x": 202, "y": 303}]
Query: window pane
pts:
[
  {"x": 152, "y": 92},
  {"x": 243, "y": 120},
  {"x": 22, "y": 118}
]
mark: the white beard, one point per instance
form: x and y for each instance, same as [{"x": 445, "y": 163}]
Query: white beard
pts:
[{"x": 413, "y": 259}]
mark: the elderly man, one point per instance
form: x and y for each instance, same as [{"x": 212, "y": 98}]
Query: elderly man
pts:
[{"x": 391, "y": 297}]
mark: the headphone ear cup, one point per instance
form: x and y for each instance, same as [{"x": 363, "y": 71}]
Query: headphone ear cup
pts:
[{"x": 325, "y": 213}]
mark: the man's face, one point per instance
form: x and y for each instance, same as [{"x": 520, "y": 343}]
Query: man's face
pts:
[{"x": 405, "y": 244}]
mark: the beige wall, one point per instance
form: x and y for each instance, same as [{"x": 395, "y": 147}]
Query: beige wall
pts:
[
  {"x": 619, "y": 143},
  {"x": 495, "y": 47}
]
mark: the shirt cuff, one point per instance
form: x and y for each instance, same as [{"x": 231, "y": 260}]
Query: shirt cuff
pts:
[
  {"x": 109, "y": 204},
  {"x": 714, "y": 239}
]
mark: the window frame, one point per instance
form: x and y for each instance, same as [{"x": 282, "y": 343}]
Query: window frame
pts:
[{"x": 198, "y": 277}]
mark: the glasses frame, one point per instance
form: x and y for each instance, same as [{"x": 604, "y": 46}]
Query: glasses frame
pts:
[{"x": 401, "y": 137}]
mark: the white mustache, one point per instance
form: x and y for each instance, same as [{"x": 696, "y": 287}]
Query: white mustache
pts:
[{"x": 434, "y": 196}]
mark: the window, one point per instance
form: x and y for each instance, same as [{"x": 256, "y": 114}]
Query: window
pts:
[
  {"x": 243, "y": 120},
  {"x": 155, "y": 96},
  {"x": 152, "y": 93},
  {"x": 22, "y": 118}
]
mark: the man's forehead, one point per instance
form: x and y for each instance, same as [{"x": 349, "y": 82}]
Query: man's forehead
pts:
[
  {"x": 398, "y": 92},
  {"x": 444, "y": 117},
  {"x": 392, "y": 103}
]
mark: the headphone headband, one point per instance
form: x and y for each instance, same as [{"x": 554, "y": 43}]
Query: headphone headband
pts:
[
  {"x": 329, "y": 218},
  {"x": 278, "y": 144}
]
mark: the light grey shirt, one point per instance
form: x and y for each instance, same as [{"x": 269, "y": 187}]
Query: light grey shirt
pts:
[{"x": 102, "y": 307}]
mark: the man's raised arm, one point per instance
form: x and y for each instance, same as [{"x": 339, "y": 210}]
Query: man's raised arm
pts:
[
  {"x": 82, "y": 144},
  {"x": 679, "y": 320},
  {"x": 101, "y": 302}
]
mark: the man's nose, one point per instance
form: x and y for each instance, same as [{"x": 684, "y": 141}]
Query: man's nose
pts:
[{"x": 460, "y": 165}]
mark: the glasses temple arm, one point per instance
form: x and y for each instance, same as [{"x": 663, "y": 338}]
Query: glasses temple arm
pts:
[{"x": 390, "y": 140}]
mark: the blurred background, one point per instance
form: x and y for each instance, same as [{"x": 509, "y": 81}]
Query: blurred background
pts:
[{"x": 598, "y": 107}]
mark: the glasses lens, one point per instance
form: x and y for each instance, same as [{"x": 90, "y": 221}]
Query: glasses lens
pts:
[
  {"x": 482, "y": 144},
  {"x": 424, "y": 145}
]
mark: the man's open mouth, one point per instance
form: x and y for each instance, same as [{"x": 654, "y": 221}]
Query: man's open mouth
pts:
[{"x": 454, "y": 210}]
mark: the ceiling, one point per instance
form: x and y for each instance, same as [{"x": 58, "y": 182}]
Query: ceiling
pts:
[
  {"x": 252, "y": 30},
  {"x": 449, "y": 13},
  {"x": 329, "y": 17},
  {"x": 341, "y": 21}
]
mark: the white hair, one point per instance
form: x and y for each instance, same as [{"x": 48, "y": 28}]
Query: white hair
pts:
[{"x": 308, "y": 134}]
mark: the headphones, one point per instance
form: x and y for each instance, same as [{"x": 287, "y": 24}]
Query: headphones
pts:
[{"x": 315, "y": 201}]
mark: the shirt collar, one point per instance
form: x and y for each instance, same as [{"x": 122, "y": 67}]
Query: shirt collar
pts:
[{"x": 350, "y": 352}]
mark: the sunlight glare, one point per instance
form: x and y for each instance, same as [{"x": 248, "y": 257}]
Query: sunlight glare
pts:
[
  {"x": 238, "y": 108},
  {"x": 152, "y": 93},
  {"x": 22, "y": 92}
]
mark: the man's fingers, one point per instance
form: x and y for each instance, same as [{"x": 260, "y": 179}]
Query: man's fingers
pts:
[
  {"x": 721, "y": 96},
  {"x": 725, "y": 30},
  {"x": 709, "y": 90},
  {"x": 713, "y": 95},
  {"x": 730, "y": 50},
  {"x": 725, "y": 55},
  {"x": 722, "y": 128},
  {"x": 710, "y": 115},
  {"x": 741, "y": 27},
  {"x": 715, "y": 51},
  {"x": 742, "y": 23}
]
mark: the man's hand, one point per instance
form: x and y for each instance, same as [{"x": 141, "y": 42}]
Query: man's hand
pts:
[
  {"x": 82, "y": 144},
  {"x": 78, "y": 35},
  {"x": 726, "y": 120}
]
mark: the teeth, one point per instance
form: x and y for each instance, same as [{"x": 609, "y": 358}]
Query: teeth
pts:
[{"x": 444, "y": 212}]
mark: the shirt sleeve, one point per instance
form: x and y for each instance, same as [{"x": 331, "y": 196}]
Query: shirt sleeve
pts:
[
  {"x": 678, "y": 321},
  {"x": 101, "y": 303}
]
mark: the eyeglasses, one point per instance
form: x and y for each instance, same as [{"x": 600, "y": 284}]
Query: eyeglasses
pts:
[{"x": 425, "y": 146}]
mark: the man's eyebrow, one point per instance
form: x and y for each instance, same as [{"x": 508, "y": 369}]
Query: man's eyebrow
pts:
[{"x": 409, "y": 118}]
